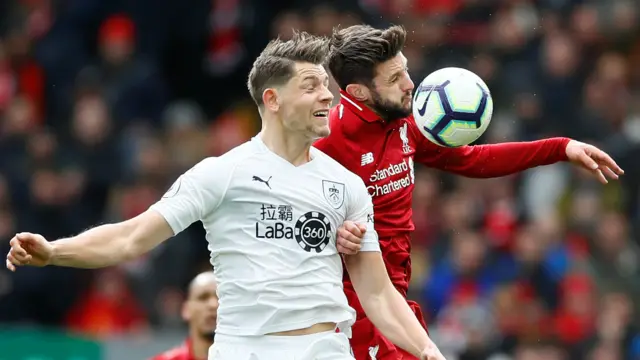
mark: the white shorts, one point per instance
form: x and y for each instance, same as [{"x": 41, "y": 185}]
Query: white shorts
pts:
[{"x": 327, "y": 345}]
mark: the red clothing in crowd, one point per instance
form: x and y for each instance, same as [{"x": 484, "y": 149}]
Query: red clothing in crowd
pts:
[{"x": 182, "y": 352}]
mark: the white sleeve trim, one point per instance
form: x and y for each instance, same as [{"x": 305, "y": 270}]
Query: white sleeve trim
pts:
[{"x": 360, "y": 210}]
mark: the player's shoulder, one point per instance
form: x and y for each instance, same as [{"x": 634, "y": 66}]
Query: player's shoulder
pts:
[
  {"x": 331, "y": 166},
  {"x": 241, "y": 152},
  {"x": 328, "y": 163},
  {"x": 229, "y": 159}
]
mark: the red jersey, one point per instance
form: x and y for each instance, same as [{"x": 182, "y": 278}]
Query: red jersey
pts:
[
  {"x": 383, "y": 155},
  {"x": 182, "y": 352}
]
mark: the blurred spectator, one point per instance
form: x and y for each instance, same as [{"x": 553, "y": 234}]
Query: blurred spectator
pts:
[
  {"x": 108, "y": 308},
  {"x": 132, "y": 86}
]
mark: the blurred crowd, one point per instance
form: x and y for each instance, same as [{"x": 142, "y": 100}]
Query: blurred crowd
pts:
[{"x": 104, "y": 103}]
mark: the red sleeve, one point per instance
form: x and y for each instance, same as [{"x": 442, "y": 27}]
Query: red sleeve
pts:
[{"x": 486, "y": 161}]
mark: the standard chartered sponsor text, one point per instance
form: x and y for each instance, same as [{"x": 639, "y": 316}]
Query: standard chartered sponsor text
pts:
[{"x": 393, "y": 185}]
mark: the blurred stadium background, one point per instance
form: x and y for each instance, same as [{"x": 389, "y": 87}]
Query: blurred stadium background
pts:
[{"x": 104, "y": 103}]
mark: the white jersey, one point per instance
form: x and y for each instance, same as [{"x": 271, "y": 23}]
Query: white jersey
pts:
[{"x": 271, "y": 228}]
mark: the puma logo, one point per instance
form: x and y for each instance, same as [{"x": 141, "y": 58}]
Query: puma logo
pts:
[{"x": 266, "y": 182}]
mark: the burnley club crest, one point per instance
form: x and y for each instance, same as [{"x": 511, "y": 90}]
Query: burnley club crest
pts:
[{"x": 333, "y": 193}]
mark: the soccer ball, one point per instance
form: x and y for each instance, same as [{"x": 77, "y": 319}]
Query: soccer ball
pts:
[{"x": 452, "y": 107}]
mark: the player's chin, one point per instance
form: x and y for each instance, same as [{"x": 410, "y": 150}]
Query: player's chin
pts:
[
  {"x": 208, "y": 329},
  {"x": 208, "y": 326},
  {"x": 321, "y": 131}
]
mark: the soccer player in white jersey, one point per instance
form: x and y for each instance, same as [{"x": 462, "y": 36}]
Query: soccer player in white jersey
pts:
[{"x": 270, "y": 208}]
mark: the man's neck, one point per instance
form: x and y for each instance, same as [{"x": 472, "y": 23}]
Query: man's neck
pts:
[
  {"x": 200, "y": 346},
  {"x": 289, "y": 146}
]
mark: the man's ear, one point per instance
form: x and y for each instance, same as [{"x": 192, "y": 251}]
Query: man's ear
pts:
[
  {"x": 185, "y": 312},
  {"x": 270, "y": 99},
  {"x": 358, "y": 92}
]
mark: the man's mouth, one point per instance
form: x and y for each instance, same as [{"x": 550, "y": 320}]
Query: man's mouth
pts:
[{"x": 321, "y": 113}]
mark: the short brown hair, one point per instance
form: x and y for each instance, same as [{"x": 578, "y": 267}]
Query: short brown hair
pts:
[
  {"x": 275, "y": 65},
  {"x": 357, "y": 50}
]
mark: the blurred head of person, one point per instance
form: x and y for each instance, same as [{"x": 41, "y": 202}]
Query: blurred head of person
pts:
[
  {"x": 469, "y": 251},
  {"x": 44, "y": 186},
  {"x": 369, "y": 65},
  {"x": 585, "y": 23},
  {"x": 231, "y": 128},
  {"x": 586, "y": 207},
  {"x": 612, "y": 229},
  {"x": 42, "y": 146},
  {"x": 117, "y": 39},
  {"x": 19, "y": 118},
  {"x": 201, "y": 306},
  {"x": 322, "y": 19},
  {"x": 539, "y": 351},
  {"x": 614, "y": 317},
  {"x": 553, "y": 352},
  {"x": 458, "y": 212},
  {"x": 91, "y": 120},
  {"x": 527, "y": 352},
  {"x": 529, "y": 246},
  {"x": 185, "y": 134},
  {"x": 285, "y": 24},
  {"x": 605, "y": 351},
  {"x": 560, "y": 55},
  {"x": 290, "y": 86}
]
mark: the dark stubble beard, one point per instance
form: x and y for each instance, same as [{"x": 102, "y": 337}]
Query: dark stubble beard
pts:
[
  {"x": 208, "y": 336},
  {"x": 388, "y": 111}
]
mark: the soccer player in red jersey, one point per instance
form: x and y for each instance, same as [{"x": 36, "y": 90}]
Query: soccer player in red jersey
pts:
[
  {"x": 374, "y": 135},
  {"x": 199, "y": 310}
]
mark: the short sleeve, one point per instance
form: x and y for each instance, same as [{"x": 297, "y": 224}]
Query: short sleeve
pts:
[
  {"x": 194, "y": 195},
  {"x": 360, "y": 211}
]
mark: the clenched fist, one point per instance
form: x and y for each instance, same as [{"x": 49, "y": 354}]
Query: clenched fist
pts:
[
  {"x": 29, "y": 249},
  {"x": 349, "y": 237},
  {"x": 431, "y": 353}
]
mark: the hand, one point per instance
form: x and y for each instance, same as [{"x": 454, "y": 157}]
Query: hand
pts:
[
  {"x": 431, "y": 353},
  {"x": 593, "y": 159},
  {"x": 349, "y": 237},
  {"x": 29, "y": 249}
]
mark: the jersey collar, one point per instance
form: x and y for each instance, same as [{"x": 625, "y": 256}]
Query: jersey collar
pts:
[
  {"x": 189, "y": 346},
  {"x": 358, "y": 108}
]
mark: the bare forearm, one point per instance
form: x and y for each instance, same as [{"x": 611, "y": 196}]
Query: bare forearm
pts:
[
  {"x": 391, "y": 314},
  {"x": 101, "y": 246}
]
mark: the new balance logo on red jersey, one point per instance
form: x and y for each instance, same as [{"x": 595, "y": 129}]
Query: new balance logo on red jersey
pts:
[{"x": 366, "y": 159}]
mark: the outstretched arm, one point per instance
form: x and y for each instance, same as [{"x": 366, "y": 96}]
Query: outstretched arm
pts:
[
  {"x": 385, "y": 307},
  {"x": 382, "y": 303},
  {"x": 194, "y": 194},
  {"x": 111, "y": 244},
  {"x": 496, "y": 160}
]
